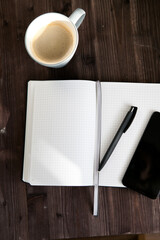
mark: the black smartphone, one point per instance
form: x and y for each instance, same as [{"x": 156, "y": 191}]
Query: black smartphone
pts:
[{"x": 143, "y": 172}]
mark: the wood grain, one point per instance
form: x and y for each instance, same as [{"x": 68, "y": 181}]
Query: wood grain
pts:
[{"x": 119, "y": 41}]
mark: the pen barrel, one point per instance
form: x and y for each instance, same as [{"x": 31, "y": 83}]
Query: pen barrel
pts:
[
  {"x": 122, "y": 129},
  {"x": 111, "y": 148}
]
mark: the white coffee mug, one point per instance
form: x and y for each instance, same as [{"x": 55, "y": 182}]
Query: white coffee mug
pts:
[{"x": 74, "y": 21}]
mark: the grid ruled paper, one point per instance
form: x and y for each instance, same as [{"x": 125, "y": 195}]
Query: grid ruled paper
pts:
[
  {"x": 117, "y": 98},
  {"x": 61, "y": 133}
]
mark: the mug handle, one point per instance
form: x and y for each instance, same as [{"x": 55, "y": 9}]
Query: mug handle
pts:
[{"x": 77, "y": 17}]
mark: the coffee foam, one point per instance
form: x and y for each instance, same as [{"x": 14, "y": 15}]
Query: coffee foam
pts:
[{"x": 53, "y": 43}]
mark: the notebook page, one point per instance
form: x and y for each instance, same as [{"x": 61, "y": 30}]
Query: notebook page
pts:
[
  {"x": 63, "y": 133},
  {"x": 117, "y": 98}
]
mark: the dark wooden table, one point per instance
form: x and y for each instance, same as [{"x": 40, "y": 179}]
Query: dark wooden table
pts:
[{"x": 119, "y": 41}]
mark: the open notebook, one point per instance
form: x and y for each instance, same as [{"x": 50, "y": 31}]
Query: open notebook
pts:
[{"x": 62, "y": 130}]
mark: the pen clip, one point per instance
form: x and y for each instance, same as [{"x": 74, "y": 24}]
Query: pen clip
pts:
[{"x": 133, "y": 110}]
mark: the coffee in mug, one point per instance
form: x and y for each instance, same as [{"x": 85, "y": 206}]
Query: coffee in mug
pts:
[
  {"x": 53, "y": 43},
  {"x": 52, "y": 38}
]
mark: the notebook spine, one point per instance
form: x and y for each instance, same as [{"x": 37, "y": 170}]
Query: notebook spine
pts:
[{"x": 97, "y": 146}]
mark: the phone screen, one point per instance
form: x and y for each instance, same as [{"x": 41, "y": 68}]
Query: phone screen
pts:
[{"x": 143, "y": 173}]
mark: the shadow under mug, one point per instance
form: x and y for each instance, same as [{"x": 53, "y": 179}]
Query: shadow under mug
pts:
[{"x": 73, "y": 21}]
